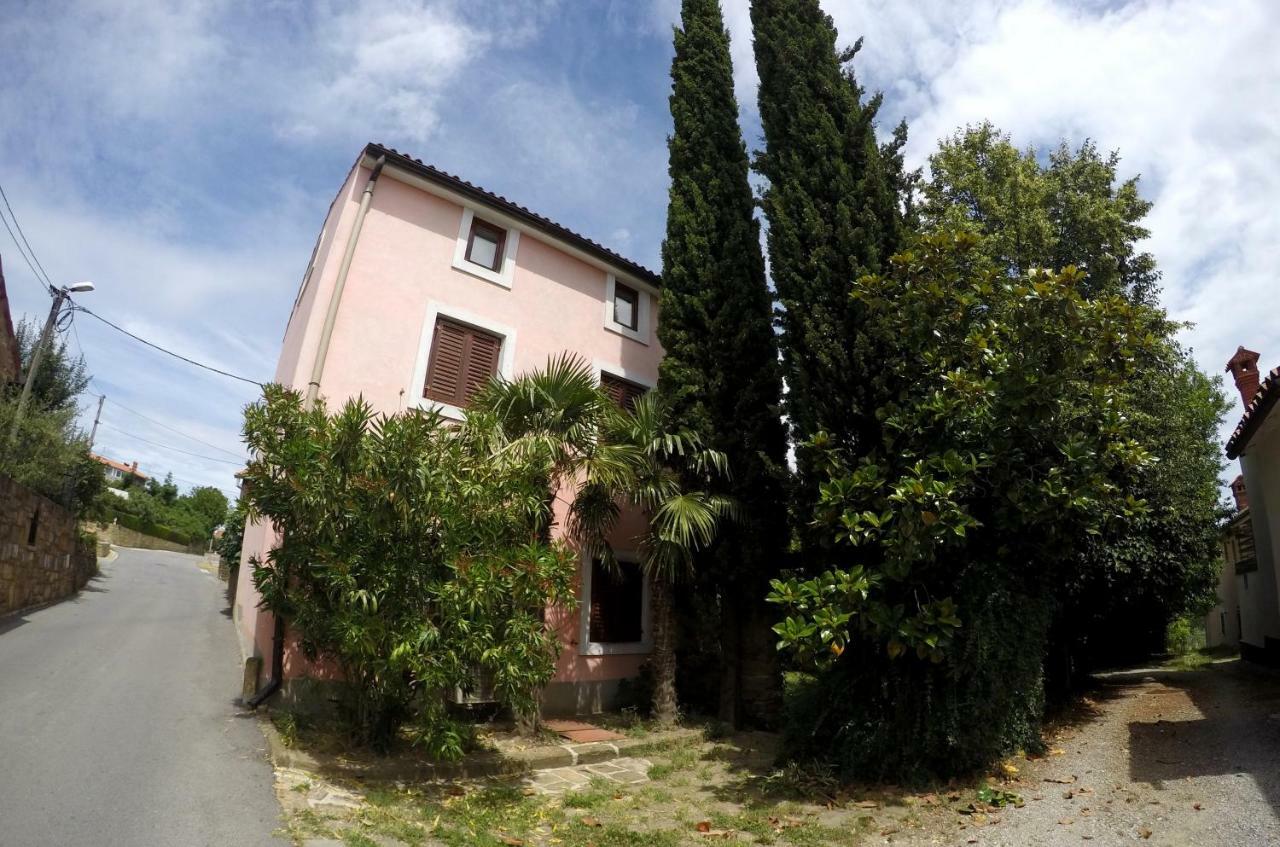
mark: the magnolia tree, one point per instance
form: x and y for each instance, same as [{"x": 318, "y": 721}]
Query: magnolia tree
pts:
[
  {"x": 1000, "y": 437},
  {"x": 410, "y": 556}
]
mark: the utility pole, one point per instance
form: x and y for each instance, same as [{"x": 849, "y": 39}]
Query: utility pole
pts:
[
  {"x": 60, "y": 296},
  {"x": 37, "y": 357},
  {"x": 93, "y": 433}
]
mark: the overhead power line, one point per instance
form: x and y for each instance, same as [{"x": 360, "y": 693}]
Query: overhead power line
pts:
[
  {"x": 43, "y": 273},
  {"x": 170, "y": 447},
  {"x": 116, "y": 404},
  {"x": 154, "y": 346}
]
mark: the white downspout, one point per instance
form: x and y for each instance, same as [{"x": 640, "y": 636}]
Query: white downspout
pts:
[{"x": 331, "y": 316}]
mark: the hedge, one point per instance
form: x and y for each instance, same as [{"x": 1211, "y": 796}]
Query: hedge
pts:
[{"x": 155, "y": 530}]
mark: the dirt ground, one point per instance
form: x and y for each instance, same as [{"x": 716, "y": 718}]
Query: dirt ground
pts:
[{"x": 1156, "y": 756}]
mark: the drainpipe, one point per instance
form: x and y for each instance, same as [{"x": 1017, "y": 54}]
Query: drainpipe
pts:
[
  {"x": 313, "y": 394},
  {"x": 322, "y": 349}
]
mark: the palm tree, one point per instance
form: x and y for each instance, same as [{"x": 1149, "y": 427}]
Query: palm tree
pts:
[{"x": 609, "y": 458}]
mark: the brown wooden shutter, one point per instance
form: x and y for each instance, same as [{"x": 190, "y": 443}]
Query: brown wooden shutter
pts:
[
  {"x": 622, "y": 392},
  {"x": 462, "y": 360},
  {"x": 482, "y": 363}
]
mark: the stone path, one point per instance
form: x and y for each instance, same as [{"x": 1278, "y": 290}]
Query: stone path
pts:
[{"x": 626, "y": 771}]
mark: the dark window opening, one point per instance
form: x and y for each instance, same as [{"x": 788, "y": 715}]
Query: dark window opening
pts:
[
  {"x": 617, "y": 604},
  {"x": 34, "y": 528},
  {"x": 485, "y": 243},
  {"x": 622, "y": 391},
  {"x": 462, "y": 361},
  {"x": 626, "y": 306}
]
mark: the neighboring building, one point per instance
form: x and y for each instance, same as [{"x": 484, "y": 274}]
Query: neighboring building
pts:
[
  {"x": 10, "y": 358},
  {"x": 1222, "y": 623},
  {"x": 119, "y": 471},
  {"x": 445, "y": 286},
  {"x": 1256, "y": 442}
]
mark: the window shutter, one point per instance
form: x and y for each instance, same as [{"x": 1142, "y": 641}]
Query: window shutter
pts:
[
  {"x": 462, "y": 360},
  {"x": 482, "y": 363},
  {"x": 622, "y": 392}
]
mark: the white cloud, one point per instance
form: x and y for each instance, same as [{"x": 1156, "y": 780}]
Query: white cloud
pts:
[{"x": 384, "y": 66}]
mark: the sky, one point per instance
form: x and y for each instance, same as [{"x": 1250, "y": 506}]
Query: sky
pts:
[{"x": 182, "y": 155}]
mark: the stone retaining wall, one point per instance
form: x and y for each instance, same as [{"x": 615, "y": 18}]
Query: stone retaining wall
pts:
[
  {"x": 41, "y": 557},
  {"x": 122, "y": 536}
]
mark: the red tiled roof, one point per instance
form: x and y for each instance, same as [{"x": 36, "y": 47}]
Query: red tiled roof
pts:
[
  {"x": 120, "y": 466},
  {"x": 1255, "y": 413},
  {"x": 515, "y": 210}
]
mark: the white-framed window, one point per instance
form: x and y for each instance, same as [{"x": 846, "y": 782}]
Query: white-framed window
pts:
[
  {"x": 623, "y": 385},
  {"x": 486, "y": 248},
  {"x": 626, "y": 309},
  {"x": 456, "y": 354},
  {"x": 615, "y": 609}
]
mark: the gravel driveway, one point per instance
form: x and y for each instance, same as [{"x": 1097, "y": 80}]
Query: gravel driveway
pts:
[{"x": 1163, "y": 758}]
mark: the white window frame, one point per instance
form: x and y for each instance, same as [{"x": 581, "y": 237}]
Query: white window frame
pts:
[
  {"x": 587, "y": 647},
  {"x": 643, "y": 300},
  {"x": 436, "y": 309},
  {"x": 510, "y": 244},
  {"x": 601, "y": 367}
]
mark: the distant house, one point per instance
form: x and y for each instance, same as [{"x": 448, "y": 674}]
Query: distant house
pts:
[
  {"x": 119, "y": 471},
  {"x": 432, "y": 286},
  {"x": 10, "y": 359},
  {"x": 1255, "y": 531}
]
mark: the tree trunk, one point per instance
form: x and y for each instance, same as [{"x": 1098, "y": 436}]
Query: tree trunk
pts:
[
  {"x": 665, "y": 709},
  {"x": 730, "y": 657},
  {"x": 759, "y": 671}
]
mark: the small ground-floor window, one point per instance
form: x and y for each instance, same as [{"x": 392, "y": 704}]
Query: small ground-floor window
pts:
[{"x": 617, "y": 604}]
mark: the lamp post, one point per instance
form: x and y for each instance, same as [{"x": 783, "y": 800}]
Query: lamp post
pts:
[{"x": 60, "y": 296}]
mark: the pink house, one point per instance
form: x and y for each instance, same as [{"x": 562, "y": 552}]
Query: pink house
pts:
[{"x": 420, "y": 287}]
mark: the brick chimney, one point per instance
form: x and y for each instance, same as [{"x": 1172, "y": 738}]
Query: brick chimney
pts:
[
  {"x": 134, "y": 466},
  {"x": 1244, "y": 367},
  {"x": 1237, "y": 491}
]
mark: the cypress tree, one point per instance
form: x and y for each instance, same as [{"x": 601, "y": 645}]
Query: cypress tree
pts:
[
  {"x": 833, "y": 216},
  {"x": 720, "y": 375}
]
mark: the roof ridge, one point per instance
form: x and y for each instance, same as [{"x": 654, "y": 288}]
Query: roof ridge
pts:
[{"x": 541, "y": 221}]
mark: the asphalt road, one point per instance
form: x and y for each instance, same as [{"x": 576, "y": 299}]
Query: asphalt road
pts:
[{"x": 117, "y": 721}]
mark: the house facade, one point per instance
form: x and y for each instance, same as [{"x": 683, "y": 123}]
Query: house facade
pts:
[
  {"x": 421, "y": 287},
  {"x": 119, "y": 471},
  {"x": 1256, "y": 443}
]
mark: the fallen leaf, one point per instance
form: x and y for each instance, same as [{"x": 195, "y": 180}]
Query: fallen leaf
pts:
[
  {"x": 703, "y": 826},
  {"x": 512, "y": 842},
  {"x": 1057, "y": 751},
  {"x": 890, "y": 831},
  {"x": 1066, "y": 781},
  {"x": 590, "y": 821},
  {"x": 1195, "y": 806},
  {"x": 1143, "y": 832},
  {"x": 528, "y": 792},
  {"x": 1065, "y": 822},
  {"x": 867, "y": 804}
]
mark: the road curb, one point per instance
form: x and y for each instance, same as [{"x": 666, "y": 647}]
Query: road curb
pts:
[{"x": 475, "y": 766}]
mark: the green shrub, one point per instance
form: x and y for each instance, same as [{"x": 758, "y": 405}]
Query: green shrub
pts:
[
  {"x": 408, "y": 558},
  {"x": 146, "y": 527},
  {"x": 1184, "y": 635}
]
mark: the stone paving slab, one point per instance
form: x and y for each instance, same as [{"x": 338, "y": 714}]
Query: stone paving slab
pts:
[{"x": 624, "y": 771}]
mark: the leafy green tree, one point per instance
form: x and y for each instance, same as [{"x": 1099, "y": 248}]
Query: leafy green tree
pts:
[
  {"x": 62, "y": 377},
  {"x": 166, "y": 491},
  {"x": 833, "y": 216},
  {"x": 207, "y": 504},
  {"x": 605, "y": 459},
  {"x": 229, "y": 546},
  {"x": 956, "y": 533},
  {"x": 719, "y": 378},
  {"x": 406, "y": 557},
  {"x": 1073, "y": 209}
]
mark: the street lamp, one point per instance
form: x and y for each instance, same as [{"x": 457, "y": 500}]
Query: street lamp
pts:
[{"x": 60, "y": 296}]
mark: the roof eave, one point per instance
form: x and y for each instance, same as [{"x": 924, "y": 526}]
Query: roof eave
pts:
[{"x": 522, "y": 215}]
